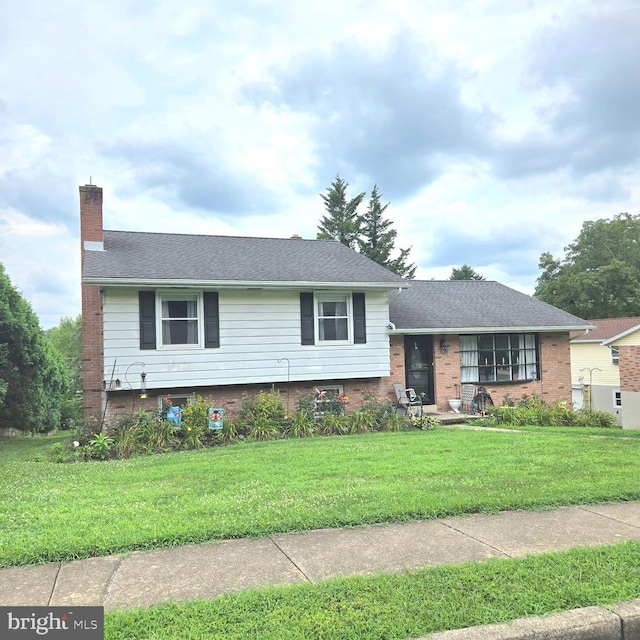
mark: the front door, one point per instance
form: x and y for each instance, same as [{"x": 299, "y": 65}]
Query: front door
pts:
[{"x": 418, "y": 365}]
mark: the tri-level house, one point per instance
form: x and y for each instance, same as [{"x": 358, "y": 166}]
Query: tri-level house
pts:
[{"x": 222, "y": 317}]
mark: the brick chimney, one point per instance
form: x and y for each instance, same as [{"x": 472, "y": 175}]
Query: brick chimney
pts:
[{"x": 92, "y": 239}]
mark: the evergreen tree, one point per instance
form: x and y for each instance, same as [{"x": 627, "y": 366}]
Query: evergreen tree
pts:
[
  {"x": 377, "y": 239},
  {"x": 342, "y": 221},
  {"x": 32, "y": 376},
  {"x": 465, "y": 272}
]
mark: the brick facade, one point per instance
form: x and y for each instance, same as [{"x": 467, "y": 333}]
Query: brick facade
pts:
[
  {"x": 629, "y": 364},
  {"x": 91, "y": 230},
  {"x": 230, "y": 397}
]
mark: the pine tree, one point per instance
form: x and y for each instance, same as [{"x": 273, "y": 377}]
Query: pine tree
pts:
[
  {"x": 342, "y": 221},
  {"x": 465, "y": 272},
  {"x": 377, "y": 239}
]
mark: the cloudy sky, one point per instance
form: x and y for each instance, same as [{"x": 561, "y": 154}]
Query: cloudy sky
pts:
[{"x": 494, "y": 128}]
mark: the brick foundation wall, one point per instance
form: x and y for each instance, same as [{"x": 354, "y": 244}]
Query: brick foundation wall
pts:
[
  {"x": 230, "y": 397},
  {"x": 629, "y": 365},
  {"x": 92, "y": 329}
]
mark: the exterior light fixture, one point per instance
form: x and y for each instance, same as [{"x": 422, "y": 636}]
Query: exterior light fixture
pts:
[{"x": 444, "y": 347}]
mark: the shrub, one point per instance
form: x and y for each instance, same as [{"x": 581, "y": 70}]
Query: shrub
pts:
[
  {"x": 59, "y": 453},
  {"x": 301, "y": 425},
  {"x": 195, "y": 423},
  {"x": 100, "y": 446},
  {"x": 601, "y": 419},
  {"x": 267, "y": 405},
  {"x": 531, "y": 410},
  {"x": 262, "y": 428},
  {"x": 361, "y": 422},
  {"x": 379, "y": 408},
  {"x": 395, "y": 422},
  {"x": 426, "y": 423},
  {"x": 333, "y": 424}
]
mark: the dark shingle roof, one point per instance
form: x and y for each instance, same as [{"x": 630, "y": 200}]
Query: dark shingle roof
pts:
[
  {"x": 218, "y": 259},
  {"x": 473, "y": 304},
  {"x": 607, "y": 328}
]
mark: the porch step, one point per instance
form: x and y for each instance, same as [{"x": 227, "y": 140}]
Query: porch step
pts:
[{"x": 429, "y": 408}]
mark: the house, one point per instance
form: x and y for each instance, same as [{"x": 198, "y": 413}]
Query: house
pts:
[
  {"x": 454, "y": 332},
  {"x": 605, "y": 372},
  {"x": 224, "y": 317}
]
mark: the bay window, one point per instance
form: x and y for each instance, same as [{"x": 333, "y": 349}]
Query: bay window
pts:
[{"x": 500, "y": 357}]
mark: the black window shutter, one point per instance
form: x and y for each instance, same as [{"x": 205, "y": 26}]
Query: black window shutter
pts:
[
  {"x": 359, "y": 319},
  {"x": 306, "y": 317},
  {"x": 147, "y": 307},
  {"x": 211, "y": 320}
]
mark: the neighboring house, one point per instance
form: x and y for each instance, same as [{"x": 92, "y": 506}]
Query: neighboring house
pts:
[
  {"x": 225, "y": 317},
  {"x": 605, "y": 368},
  {"x": 448, "y": 333}
]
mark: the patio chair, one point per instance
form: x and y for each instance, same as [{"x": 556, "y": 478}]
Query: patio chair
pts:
[
  {"x": 407, "y": 400},
  {"x": 468, "y": 393}
]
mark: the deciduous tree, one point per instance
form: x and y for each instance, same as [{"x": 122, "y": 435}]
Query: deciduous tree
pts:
[
  {"x": 599, "y": 276},
  {"x": 66, "y": 340},
  {"x": 32, "y": 377}
]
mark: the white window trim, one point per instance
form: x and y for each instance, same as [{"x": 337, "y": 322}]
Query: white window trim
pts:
[
  {"x": 616, "y": 404},
  {"x": 337, "y": 296},
  {"x": 179, "y": 295},
  {"x": 615, "y": 356}
]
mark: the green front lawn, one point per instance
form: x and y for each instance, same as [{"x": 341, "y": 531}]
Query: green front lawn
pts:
[
  {"x": 402, "y": 606},
  {"x": 64, "y": 511}
]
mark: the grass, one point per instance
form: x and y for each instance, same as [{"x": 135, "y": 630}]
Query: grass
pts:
[
  {"x": 51, "y": 512},
  {"x": 399, "y": 606}
]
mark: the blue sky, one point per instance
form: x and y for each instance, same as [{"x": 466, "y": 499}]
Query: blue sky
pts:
[{"x": 494, "y": 129}]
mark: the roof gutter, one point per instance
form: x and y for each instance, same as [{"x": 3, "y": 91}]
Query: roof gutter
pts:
[
  {"x": 239, "y": 284},
  {"x": 458, "y": 330}
]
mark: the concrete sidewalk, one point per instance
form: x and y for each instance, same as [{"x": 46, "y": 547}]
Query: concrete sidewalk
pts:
[{"x": 145, "y": 578}]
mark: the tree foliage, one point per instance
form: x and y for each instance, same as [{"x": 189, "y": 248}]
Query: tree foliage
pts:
[
  {"x": 377, "y": 240},
  {"x": 599, "y": 276},
  {"x": 371, "y": 233},
  {"x": 342, "y": 221},
  {"x": 465, "y": 272},
  {"x": 66, "y": 340},
  {"x": 32, "y": 376}
]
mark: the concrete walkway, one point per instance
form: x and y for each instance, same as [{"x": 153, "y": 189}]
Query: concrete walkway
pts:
[{"x": 145, "y": 578}]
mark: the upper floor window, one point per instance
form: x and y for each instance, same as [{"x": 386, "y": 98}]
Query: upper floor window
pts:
[
  {"x": 333, "y": 318},
  {"x": 180, "y": 319},
  {"x": 615, "y": 358},
  {"x": 500, "y": 357}
]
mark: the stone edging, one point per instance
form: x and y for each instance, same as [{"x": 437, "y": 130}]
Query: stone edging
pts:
[{"x": 588, "y": 623}]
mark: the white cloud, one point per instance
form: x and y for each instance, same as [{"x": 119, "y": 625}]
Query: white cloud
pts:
[{"x": 495, "y": 129}]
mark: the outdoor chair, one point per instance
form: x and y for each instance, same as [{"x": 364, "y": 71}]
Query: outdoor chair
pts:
[
  {"x": 407, "y": 400},
  {"x": 468, "y": 393}
]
